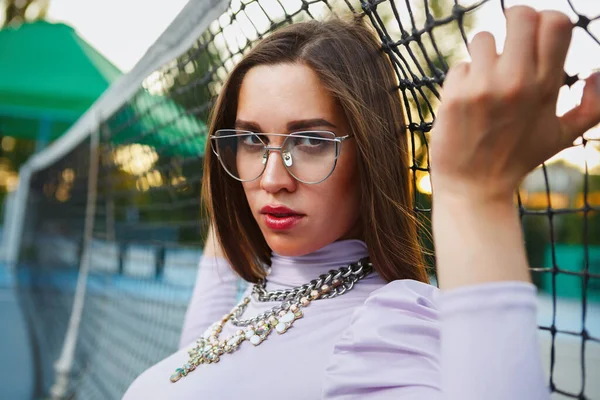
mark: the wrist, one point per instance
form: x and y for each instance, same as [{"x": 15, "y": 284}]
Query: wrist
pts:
[
  {"x": 477, "y": 240},
  {"x": 473, "y": 200}
]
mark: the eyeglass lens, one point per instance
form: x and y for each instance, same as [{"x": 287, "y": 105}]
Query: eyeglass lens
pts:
[{"x": 310, "y": 156}]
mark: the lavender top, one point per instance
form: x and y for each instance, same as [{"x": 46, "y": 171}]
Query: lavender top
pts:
[{"x": 399, "y": 340}]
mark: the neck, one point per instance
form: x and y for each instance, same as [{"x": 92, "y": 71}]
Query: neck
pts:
[{"x": 288, "y": 272}]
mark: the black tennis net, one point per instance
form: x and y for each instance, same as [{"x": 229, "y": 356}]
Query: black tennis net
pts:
[{"x": 148, "y": 229}]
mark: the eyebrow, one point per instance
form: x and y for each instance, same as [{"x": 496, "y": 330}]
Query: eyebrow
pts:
[{"x": 291, "y": 126}]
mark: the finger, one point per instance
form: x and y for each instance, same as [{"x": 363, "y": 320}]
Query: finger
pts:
[
  {"x": 455, "y": 80},
  {"x": 554, "y": 33},
  {"x": 483, "y": 52},
  {"x": 586, "y": 115},
  {"x": 519, "y": 53}
]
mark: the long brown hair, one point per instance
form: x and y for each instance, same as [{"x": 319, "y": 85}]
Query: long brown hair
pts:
[{"x": 350, "y": 64}]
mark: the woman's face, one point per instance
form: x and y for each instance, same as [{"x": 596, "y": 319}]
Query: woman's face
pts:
[{"x": 287, "y": 98}]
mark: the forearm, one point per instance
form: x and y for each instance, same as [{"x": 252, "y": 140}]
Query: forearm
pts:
[
  {"x": 489, "y": 343},
  {"x": 477, "y": 242},
  {"x": 488, "y": 313}
]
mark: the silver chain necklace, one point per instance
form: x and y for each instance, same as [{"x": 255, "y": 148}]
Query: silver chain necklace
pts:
[
  {"x": 334, "y": 283},
  {"x": 209, "y": 348}
]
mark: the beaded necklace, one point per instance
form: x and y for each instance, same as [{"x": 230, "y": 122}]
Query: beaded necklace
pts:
[{"x": 209, "y": 348}]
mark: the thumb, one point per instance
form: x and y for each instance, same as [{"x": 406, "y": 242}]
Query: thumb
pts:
[{"x": 587, "y": 114}]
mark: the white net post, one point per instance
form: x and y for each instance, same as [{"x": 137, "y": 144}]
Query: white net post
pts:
[
  {"x": 193, "y": 19},
  {"x": 64, "y": 364}
]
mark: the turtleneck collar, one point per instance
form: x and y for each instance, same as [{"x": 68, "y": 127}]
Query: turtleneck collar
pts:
[{"x": 287, "y": 272}]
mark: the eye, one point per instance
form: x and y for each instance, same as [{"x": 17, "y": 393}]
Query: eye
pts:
[
  {"x": 312, "y": 139},
  {"x": 309, "y": 141},
  {"x": 312, "y": 144},
  {"x": 250, "y": 140}
]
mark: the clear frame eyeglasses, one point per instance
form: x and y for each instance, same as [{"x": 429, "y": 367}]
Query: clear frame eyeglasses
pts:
[{"x": 309, "y": 156}]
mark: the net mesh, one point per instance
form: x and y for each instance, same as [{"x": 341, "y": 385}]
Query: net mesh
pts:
[{"x": 149, "y": 229}]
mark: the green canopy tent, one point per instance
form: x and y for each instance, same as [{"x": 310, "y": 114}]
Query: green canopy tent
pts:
[
  {"x": 161, "y": 123},
  {"x": 48, "y": 77}
]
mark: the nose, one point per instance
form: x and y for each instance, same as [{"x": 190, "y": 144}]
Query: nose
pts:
[{"x": 276, "y": 177}]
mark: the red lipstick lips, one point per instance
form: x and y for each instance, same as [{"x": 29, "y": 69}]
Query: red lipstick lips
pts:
[{"x": 279, "y": 217}]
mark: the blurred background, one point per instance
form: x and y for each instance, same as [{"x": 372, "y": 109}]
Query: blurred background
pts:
[{"x": 103, "y": 111}]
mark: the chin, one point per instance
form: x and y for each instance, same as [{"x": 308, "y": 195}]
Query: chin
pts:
[{"x": 288, "y": 247}]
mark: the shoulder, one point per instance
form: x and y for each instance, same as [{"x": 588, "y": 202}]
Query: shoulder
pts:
[
  {"x": 396, "y": 327},
  {"x": 404, "y": 295},
  {"x": 400, "y": 308}
]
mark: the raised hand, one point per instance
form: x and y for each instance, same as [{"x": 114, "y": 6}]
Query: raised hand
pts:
[
  {"x": 497, "y": 122},
  {"x": 497, "y": 119}
]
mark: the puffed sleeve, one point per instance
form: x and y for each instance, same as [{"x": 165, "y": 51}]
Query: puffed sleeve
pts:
[
  {"x": 409, "y": 341},
  {"x": 391, "y": 349},
  {"x": 214, "y": 295}
]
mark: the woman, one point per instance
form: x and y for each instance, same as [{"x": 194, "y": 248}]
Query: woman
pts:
[{"x": 308, "y": 173}]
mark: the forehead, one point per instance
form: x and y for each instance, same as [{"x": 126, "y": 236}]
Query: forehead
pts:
[{"x": 272, "y": 95}]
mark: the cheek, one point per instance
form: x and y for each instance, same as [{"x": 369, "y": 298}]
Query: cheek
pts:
[
  {"x": 350, "y": 195},
  {"x": 342, "y": 195},
  {"x": 351, "y": 189},
  {"x": 347, "y": 181},
  {"x": 251, "y": 190}
]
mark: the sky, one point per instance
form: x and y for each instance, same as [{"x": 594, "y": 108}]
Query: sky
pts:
[{"x": 122, "y": 30}]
